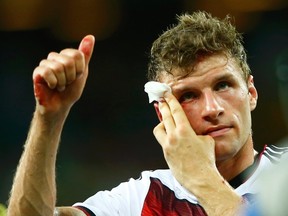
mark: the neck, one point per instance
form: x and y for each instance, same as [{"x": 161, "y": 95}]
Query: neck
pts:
[{"x": 235, "y": 165}]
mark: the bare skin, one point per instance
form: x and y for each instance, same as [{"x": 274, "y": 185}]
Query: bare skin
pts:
[
  {"x": 197, "y": 148},
  {"x": 58, "y": 81},
  {"x": 205, "y": 131}
]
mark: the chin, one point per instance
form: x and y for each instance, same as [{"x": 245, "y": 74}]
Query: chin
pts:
[{"x": 224, "y": 151}]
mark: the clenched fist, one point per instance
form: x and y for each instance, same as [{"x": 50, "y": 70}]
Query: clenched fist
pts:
[{"x": 59, "y": 80}]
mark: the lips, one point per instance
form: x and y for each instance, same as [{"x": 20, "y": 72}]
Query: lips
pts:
[{"x": 217, "y": 130}]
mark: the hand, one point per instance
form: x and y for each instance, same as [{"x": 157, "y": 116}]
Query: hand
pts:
[
  {"x": 188, "y": 155},
  {"x": 59, "y": 80}
]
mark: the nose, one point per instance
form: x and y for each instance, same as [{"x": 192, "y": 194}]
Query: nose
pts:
[{"x": 211, "y": 106}]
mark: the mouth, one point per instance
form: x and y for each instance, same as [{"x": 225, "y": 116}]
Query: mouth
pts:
[{"x": 217, "y": 131}]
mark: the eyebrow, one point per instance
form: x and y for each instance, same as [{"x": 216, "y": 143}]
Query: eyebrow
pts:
[
  {"x": 226, "y": 76},
  {"x": 182, "y": 88}
]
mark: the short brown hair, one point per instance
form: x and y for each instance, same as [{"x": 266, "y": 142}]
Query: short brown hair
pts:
[{"x": 196, "y": 35}]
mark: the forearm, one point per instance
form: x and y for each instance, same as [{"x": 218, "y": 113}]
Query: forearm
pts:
[
  {"x": 216, "y": 196},
  {"x": 58, "y": 83},
  {"x": 34, "y": 190}
]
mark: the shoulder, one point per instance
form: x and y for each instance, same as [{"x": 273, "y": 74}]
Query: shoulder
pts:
[
  {"x": 159, "y": 173},
  {"x": 144, "y": 181},
  {"x": 275, "y": 153},
  {"x": 125, "y": 197},
  {"x": 162, "y": 176}
]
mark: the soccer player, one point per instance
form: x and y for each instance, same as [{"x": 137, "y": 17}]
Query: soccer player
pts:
[{"x": 204, "y": 130}]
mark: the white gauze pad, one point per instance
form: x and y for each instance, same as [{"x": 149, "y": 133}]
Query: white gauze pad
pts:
[{"x": 156, "y": 90}]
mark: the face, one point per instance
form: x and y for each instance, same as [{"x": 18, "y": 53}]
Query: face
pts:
[{"x": 218, "y": 102}]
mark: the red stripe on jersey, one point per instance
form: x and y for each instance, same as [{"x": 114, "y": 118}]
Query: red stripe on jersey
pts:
[{"x": 161, "y": 200}]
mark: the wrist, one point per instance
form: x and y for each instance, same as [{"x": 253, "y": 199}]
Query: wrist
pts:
[
  {"x": 50, "y": 119},
  {"x": 215, "y": 194}
]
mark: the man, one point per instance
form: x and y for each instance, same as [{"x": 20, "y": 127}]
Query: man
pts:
[{"x": 204, "y": 129}]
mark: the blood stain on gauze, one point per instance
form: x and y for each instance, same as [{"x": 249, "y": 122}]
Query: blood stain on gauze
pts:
[{"x": 156, "y": 90}]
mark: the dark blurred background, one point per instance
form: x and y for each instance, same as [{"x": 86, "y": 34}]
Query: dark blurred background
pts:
[{"x": 108, "y": 136}]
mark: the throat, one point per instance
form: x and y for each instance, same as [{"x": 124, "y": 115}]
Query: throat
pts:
[
  {"x": 245, "y": 174},
  {"x": 232, "y": 167}
]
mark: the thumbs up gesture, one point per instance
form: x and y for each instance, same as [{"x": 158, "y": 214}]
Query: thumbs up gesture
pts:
[{"x": 59, "y": 80}]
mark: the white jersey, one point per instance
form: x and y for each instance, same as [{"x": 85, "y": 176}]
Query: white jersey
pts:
[{"x": 159, "y": 193}]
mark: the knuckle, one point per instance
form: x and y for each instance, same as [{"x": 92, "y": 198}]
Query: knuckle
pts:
[
  {"x": 69, "y": 63},
  {"x": 157, "y": 128},
  {"x": 46, "y": 74},
  {"x": 165, "y": 118},
  {"x": 43, "y": 62},
  {"x": 52, "y": 55},
  {"x": 51, "y": 65},
  {"x": 57, "y": 68},
  {"x": 175, "y": 110},
  {"x": 36, "y": 72},
  {"x": 182, "y": 130},
  {"x": 172, "y": 139},
  {"x": 78, "y": 55},
  {"x": 73, "y": 53},
  {"x": 76, "y": 59},
  {"x": 49, "y": 78}
]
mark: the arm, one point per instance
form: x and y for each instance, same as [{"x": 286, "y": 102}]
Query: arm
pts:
[
  {"x": 191, "y": 158},
  {"x": 58, "y": 83},
  {"x": 68, "y": 211}
]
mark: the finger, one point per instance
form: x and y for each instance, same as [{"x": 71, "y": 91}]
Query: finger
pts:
[
  {"x": 77, "y": 58},
  {"x": 68, "y": 65},
  {"x": 38, "y": 82},
  {"x": 86, "y": 47},
  {"x": 81, "y": 56},
  {"x": 177, "y": 111},
  {"x": 160, "y": 133},
  {"x": 167, "y": 118},
  {"x": 47, "y": 76},
  {"x": 58, "y": 70}
]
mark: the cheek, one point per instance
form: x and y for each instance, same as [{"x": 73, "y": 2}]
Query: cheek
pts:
[
  {"x": 237, "y": 99},
  {"x": 241, "y": 109},
  {"x": 192, "y": 113},
  {"x": 188, "y": 110}
]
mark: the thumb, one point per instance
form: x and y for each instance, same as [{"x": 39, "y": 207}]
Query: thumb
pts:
[{"x": 86, "y": 47}]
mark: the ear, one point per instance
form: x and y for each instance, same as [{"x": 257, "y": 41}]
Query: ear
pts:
[
  {"x": 157, "y": 111},
  {"x": 252, "y": 91}
]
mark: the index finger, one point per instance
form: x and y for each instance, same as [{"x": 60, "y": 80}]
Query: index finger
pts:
[{"x": 176, "y": 110}]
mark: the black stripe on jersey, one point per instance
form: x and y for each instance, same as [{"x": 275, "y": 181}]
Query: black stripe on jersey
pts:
[
  {"x": 245, "y": 174},
  {"x": 272, "y": 152},
  {"x": 86, "y": 211}
]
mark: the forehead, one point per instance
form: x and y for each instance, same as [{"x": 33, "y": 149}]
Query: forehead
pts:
[{"x": 212, "y": 66}]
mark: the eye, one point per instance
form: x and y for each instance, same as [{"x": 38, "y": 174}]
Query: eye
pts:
[
  {"x": 222, "y": 85},
  {"x": 188, "y": 96}
]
